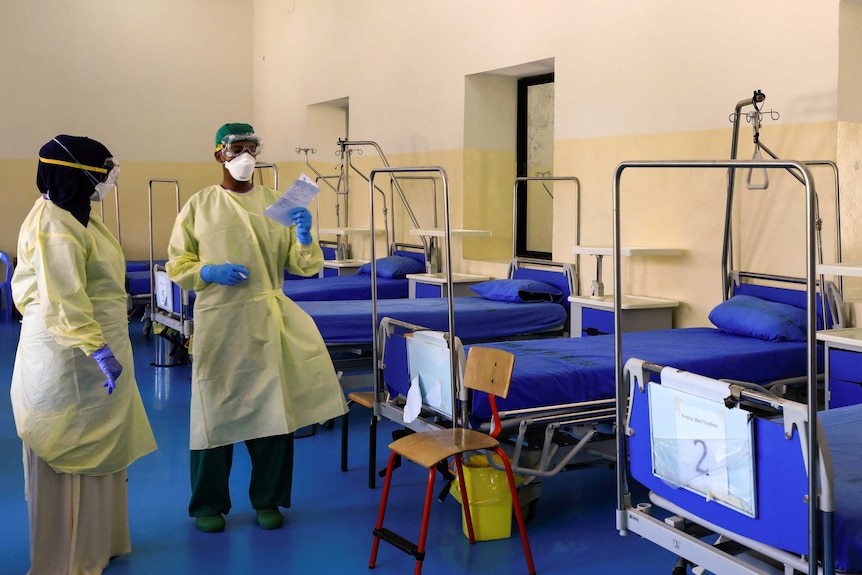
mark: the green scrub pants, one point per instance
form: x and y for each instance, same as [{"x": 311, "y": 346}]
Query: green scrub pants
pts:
[{"x": 271, "y": 476}]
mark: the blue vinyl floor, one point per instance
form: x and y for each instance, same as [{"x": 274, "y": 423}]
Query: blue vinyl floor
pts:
[{"x": 328, "y": 528}]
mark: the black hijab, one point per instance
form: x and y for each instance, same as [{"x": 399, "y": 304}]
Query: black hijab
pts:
[{"x": 66, "y": 184}]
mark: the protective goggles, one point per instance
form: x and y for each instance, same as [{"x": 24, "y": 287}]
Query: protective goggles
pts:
[{"x": 233, "y": 145}]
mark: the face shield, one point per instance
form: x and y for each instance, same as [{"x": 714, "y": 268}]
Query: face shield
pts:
[{"x": 234, "y": 145}]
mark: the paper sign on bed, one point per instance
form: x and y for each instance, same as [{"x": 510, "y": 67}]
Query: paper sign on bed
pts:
[
  {"x": 164, "y": 291},
  {"x": 298, "y": 195},
  {"x": 430, "y": 375},
  {"x": 699, "y": 444}
]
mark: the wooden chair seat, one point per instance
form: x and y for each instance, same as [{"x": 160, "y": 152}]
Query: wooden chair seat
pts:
[
  {"x": 363, "y": 398},
  {"x": 431, "y": 447}
]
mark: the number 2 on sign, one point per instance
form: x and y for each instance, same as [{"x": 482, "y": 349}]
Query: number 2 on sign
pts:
[{"x": 698, "y": 467}]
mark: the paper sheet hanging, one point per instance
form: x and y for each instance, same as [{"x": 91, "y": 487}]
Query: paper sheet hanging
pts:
[
  {"x": 414, "y": 401},
  {"x": 298, "y": 195}
]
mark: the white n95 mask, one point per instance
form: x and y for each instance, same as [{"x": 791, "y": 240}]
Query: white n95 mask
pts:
[{"x": 241, "y": 168}]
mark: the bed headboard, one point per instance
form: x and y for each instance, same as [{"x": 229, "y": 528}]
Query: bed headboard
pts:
[
  {"x": 562, "y": 276},
  {"x": 329, "y": 249},
  {"x": 416, "y": 252},
  {"x": 791, "y": 291}
]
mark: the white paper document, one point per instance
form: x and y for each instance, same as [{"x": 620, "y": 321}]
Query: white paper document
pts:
[
  {"x": 298, "y": 195},
  {"x": 414, "y": 401}
]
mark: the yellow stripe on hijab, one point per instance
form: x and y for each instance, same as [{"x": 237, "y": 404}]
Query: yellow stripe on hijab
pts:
[{"x": 73, "y": 165}]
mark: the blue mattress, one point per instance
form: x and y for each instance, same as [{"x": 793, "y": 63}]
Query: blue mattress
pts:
[
  {"x": 842, "y": 427},
  {"x": 138, "y": 276},
  {"x": 352, "y": 287},
  {"x": 475, "y": 318},
  {"x": 572, "y": 370}
]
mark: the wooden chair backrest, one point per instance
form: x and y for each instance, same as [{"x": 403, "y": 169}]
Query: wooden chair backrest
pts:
[{"x": 489, "y": 370}]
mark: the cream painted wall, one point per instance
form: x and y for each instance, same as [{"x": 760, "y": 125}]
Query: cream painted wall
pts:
[
  {"x": 850, "y": 62},
  {"x": 850, "y": 138},
  {"x": 151, "y": 80}
]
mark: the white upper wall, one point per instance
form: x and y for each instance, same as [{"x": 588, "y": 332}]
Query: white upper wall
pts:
[
  {"x": 153, "y": 80},
  {"x": 622, "y": 67}
]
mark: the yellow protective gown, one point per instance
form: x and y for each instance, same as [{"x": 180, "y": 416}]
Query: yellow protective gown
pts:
[
  {"x": 260, "y": 365},
  {"x": 69, "y": 285}
]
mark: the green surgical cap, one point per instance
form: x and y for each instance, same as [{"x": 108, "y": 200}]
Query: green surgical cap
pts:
[{"x": 232, "y": 129}]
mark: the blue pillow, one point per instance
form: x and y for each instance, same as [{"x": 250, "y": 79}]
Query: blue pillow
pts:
[
  {"x": 394, "y": 267},
  {"x": 760, "y": 318},
  {"x": 521, "y": 291}
]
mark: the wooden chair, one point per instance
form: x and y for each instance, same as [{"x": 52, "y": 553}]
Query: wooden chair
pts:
[{"x": 488, "y": 370}]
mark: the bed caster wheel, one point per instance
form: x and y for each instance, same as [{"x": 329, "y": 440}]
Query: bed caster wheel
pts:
[
  {"x": 528, "y": 498},
  {"x": 529, "y": 510}
]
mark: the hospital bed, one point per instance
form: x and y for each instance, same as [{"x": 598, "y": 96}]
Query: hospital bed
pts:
[
  {"x": 358, "y": 286},
  {"x": 349, "y": 323},
  {"x": 769, "y": 496},
  {"x": 138, "y": 284}
]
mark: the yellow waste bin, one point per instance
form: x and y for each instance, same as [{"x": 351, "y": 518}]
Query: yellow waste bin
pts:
[{"x": 489, "y": 497}]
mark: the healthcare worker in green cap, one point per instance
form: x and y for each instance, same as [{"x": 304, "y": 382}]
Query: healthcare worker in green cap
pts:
[
  {"x": 74, "y": 396},
  {"x": 261, "y": 369}
]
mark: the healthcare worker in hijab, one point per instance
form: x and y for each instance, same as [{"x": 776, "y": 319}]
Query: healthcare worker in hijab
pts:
[
  {"x": 74, "y": 397},
  {"x": 261, "y": 369}
]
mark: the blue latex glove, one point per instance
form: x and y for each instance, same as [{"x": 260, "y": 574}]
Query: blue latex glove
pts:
[
  {"x": 302, "y": 218},
  {"x": 224, "y": 274},
  {"x": 109, "y": 366}
]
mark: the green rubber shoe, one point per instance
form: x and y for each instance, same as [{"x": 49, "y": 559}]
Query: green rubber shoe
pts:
[
  {"x": 210, "y": 523},
  {"x": 269, "y": 518}
]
